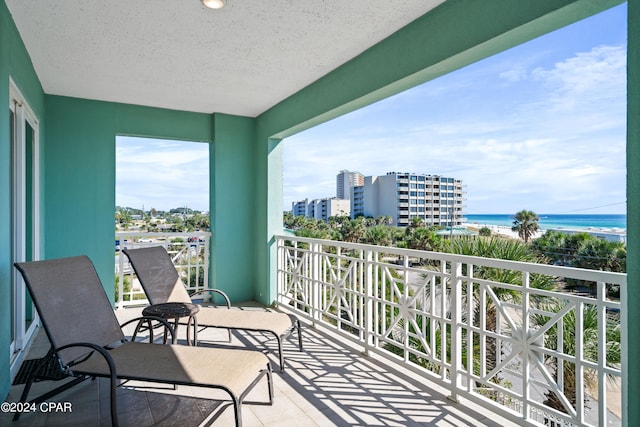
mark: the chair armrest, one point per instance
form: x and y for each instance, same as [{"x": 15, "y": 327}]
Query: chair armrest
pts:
[
  {"x": 104, "y": 353},
  {"x": 140, "y": 319},
  {"x": 217, "y": 291}
]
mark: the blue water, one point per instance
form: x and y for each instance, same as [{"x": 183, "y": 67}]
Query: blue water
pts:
[{"x": 557, "y": 221}]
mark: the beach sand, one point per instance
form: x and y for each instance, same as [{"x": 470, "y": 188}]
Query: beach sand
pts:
[{"x": 500, "y": 230}]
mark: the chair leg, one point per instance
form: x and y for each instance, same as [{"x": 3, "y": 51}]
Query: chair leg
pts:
[
  {"x": 236, "y": 410},
  {"x": 270, "y": 383},
  {"x": 113, "y": 383},
  {"x": 280, "y": 353},
  {"x": 299, "y": 327},
  {"x": 139, "y": 328},
  {"x": 46, "y": 396},
  {"x": 25, "y": 393}
]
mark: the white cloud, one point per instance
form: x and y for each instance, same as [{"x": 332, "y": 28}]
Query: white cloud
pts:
[
  {"x": 162, "y": 174},
  {"x": 552, "y": 140},
  {"x": 587, "y": 79}
]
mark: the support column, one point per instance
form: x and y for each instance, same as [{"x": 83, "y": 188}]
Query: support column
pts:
[{"x": 631, "y": 301}]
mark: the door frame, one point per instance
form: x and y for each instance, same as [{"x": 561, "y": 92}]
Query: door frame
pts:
[{"x": 23, "y": 115}]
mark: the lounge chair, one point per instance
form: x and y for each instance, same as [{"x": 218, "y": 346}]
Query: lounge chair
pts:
[
  {"x": 161, "y": 282},
  {"x": 88, "y": 341}
]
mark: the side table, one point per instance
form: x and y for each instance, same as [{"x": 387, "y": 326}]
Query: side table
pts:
[{"x": 176, "y": 311}]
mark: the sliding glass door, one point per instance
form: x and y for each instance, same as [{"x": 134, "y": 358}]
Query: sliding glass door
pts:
[{"x": 24, "y": 217}]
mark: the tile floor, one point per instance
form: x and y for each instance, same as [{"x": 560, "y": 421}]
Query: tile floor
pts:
[{"x": 330, "y": 383}]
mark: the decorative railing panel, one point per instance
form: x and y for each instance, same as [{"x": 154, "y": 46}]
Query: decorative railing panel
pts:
[
  {"x": 190, "y": 254},
  {"x": 498, "y": 332}
]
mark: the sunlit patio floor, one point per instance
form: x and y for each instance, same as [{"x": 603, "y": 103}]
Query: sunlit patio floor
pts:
[{"x": 330, "y": 383}]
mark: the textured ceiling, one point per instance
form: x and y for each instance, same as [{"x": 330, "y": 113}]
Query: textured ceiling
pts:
[{"x": 178, "y": 54}]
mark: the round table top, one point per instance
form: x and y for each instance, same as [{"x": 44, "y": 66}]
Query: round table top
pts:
[{"x": 170, "y": 310}]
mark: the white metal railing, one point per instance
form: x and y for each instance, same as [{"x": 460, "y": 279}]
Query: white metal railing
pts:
[
  {"x": 189, "y": 251},
  {"x": 489, "y": 330}
]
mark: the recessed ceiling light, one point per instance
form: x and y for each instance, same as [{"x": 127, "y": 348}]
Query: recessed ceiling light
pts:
[{"x": 213, "y": 4}]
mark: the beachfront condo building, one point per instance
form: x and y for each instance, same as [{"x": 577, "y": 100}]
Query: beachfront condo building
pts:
[
  {"x": 321, "y": 209},
  {"x": 345, "y": 181},
  {"x": 437, "y": 200}
]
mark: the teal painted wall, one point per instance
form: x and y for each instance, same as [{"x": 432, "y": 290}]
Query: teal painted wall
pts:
[
  {"x": 14, "y": 62},
  {"x": 80, "y": 172},
  {"x": 80, "y": 182},
  {"x": 631, "y": 387},
  {"x": 233, "y": 200}
]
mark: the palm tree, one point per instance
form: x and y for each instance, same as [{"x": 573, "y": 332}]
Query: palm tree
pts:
[
  {"x": 494, "y": 247},
  {"x": 526, "y": 224},
  {"x": 497, "y": 248},
  {"x": 416, "y": 222},
  {"x": 354, "y": 230},
  {"x": 568, "y": 346},
  {"x": 424, "y": 239},
  {"x": 383, "y": 220},
  {"x": 287, "y": 219},
  {"x": 378, "y": 235}
]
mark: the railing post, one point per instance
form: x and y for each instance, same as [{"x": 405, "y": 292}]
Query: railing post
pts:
[
  {"x": 206, "y": 257},
  {"x": 524, "y": 338},
  {"x": 315, "y": 283},
  {"x": 369, "y": 333},
  {"x": 279, "y": 272},
  {"x": 119, "y": 303},
  {"x": 456, "y": 328},
  {"x": 602, "y": 353}
]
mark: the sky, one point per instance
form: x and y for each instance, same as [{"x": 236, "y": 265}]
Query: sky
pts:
[
  {"x": 162, "y": 174},
  {"x": 539, "y": 127}
]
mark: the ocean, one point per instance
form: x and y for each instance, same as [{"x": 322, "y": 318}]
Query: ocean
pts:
[{"x": 557, "y": 221}]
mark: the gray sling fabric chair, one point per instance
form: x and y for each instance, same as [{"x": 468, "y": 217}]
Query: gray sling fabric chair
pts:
[
  {"x": 161, "y": 283},
  {"x": 88, "y": 342}
]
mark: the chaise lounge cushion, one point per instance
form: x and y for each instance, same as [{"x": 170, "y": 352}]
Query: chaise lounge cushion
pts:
[{"x": 231, "y": 369}]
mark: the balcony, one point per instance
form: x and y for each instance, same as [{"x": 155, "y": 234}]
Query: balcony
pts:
[
  {"x": 70, "y": 101},
  {"x": 369, "y": 356},
  {"x": 329, "y": 384}
]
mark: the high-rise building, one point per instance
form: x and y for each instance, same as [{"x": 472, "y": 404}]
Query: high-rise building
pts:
[
  {"x": 325, "y": 208},
  {"x": 357, "y": 200},
  {"x": 345, "y": 180},
  {"x": 300, "y": 208},
  {"x": 321, "y": 209},
  {"x": 435, "y": 199}
]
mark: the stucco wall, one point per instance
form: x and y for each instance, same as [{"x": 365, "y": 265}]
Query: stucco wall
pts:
[{"x": 14, "y": 63}]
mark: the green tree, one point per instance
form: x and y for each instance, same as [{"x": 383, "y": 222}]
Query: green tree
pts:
[
  {"x": 353, "y": 230},
  {"x": 124, "y": 218},
  {"x": 485, "y": 232},
  {"x": 197, "y": 221},
  {"x": 507, "y": 249},
  {"x": 378, "y": 235},
  {"x": 384, "y": 220},
  {"x": 416, "y": 222},
  {"x": 287, "y": 220},
  {"x": 599, "y": 254},
  {"x": 526, "y": 224},
  {"x": 424, "y": 239},
  {"x": 554, "y": 246},
  {"x": 567, "y": 346}
]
